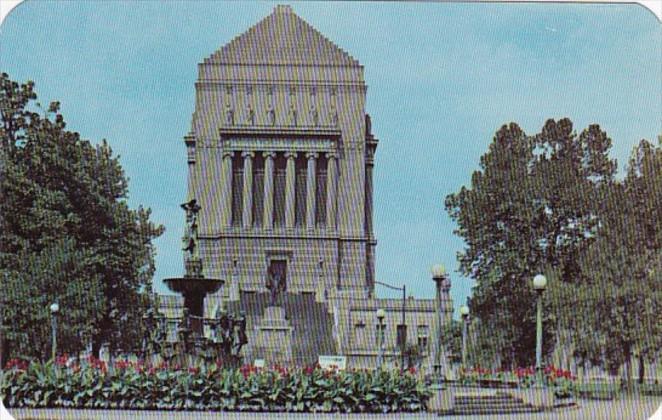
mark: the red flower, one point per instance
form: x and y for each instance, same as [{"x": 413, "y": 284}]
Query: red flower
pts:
[
  {"x": 17, "y": 364},
  {"x": 61, "y": 360},
  {"x": 194, "y": 370},
  {"x": 412, "y": 370},
  {"x": 247, "y": 370},
  {"x": 121, "y": 364}
]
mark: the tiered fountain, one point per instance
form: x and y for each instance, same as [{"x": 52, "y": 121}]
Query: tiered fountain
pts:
[{"x": 228, "y": 332}]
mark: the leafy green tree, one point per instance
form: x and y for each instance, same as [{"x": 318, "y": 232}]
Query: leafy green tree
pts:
[
  {"x": 530, "y": 208},
  {"x": 451, "y": 339},
  {"x": 67, "y": 233},
  {"x": 623, "y": 267}
]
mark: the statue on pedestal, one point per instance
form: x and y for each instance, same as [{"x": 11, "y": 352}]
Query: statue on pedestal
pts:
[
  {"x": 191, "y": 233},
  {"x": 240, "y": 338},
  {"x": 275, "y": 285}
]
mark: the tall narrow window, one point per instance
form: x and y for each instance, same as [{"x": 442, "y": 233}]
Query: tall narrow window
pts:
[
  {"x": 300, "y": 192},
  {"x": 320, "y": 192},
  {"x": 237, "y": 188},
  {"x": 279, "y": 190},
  {"x": 258, "y": 189}
]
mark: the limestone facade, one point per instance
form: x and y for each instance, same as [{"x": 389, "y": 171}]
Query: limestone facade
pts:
[{"x": 280, "y": 158}]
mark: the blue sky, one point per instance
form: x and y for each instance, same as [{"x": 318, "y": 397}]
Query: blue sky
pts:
[{"x": 442, "y": 78}]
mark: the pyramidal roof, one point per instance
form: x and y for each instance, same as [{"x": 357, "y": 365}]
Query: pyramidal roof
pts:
[{"x": 282, "y": 38}]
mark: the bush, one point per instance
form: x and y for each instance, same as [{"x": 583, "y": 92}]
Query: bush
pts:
[
  {"x": 561, "y": 380},
  {"x": 128, "y": 385}
]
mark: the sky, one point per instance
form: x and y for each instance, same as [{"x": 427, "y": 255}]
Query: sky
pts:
[{"x": 442, "y": 78}]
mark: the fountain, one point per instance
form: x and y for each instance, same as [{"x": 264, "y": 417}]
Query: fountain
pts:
[{"x": 228, "y": 331}]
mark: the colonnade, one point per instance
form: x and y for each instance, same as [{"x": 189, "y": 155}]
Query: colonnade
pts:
[{"x": 291, "y": 179}]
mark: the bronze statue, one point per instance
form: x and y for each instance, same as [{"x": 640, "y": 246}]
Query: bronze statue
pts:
[
  {"x": 239, "y": 332},
  {"x": 275, "y": 285},
  {"x": 191, "y": 233}
]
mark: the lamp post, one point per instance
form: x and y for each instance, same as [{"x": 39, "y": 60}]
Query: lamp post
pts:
[
  {"x": 539, "y": 285},
  {"x": 402, "y": 329},
  {"x": 442, "y": 286},
  {"x": 55, "y": 308},
  {"x": 381, "y": 314},
  {"x": 464, "y": 312}
]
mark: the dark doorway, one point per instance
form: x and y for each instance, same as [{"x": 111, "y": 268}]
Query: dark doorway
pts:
[{"x": 278, "y": 270}]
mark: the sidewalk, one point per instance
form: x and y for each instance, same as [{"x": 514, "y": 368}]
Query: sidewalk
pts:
[{"x": 623, "y": 409}]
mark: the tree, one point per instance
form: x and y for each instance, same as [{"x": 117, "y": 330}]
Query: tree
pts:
[
  {"x": 623, "y": 267},
  {"x": 67, "y": 233},
  {"x": 530, "y": 208}
]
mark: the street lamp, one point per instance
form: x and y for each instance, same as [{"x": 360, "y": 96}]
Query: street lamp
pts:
[
  {"x": 381, "y": 314},
  {"x": 539, "y": 285},
  {"x": 402, "y": 328},
  {"x": 55, "y": 308},
  {"x": 441, "y": 302},
  {"x": 464, "y": 312}
]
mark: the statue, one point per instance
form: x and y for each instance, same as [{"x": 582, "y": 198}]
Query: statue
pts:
[
  {"x": 250, "y": 115},
  {"x": 191, "y": 233},
  {"x": 271, "y": 115},
  {"x": 275, "y": 285},
  {"x": 224, "y": 334},
  {"x": 229, "y": 114},
  {"x": 314, "y": 115},
  {"x": 292, "y": 115},
  {"x": 239, "y": 331}
]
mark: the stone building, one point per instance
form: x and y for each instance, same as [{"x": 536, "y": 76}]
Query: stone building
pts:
[{"x": 280, "y": 158}]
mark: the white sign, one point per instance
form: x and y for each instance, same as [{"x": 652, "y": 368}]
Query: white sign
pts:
[
  {"x": 258, "y": 363},
  {"x": 329, "y": 362}
]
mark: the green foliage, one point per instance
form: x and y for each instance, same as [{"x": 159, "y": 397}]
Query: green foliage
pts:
[
  {"x": 451, "y": 339},
  {"x": 530, "y": 208},
  {"x": 67, "y": 233},
  {"x": 623, "y": 267},
  {"x": 561, "y": 380},
  {"x": 549, "y": 203},
  {"x": 209, "y": 387}
]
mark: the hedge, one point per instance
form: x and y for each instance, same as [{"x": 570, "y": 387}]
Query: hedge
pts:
[
  {"x": 127, "y": 385},
  {"x": 562, "y": 381}
]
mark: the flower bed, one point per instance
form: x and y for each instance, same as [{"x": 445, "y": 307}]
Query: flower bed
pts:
[
  {"x": 127, "y": 385},
  {"x": 561, "y": 380}
]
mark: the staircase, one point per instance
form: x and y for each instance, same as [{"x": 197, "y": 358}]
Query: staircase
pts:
[
  {"x": 312, "y": 323},
  {"x": 499, "y": 402}
]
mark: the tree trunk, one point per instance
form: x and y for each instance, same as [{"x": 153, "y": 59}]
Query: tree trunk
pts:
[
  {"x": 642, "y": 369},
  {"x": 96, "y": 347},
  {"x": 628, "y": 369}
]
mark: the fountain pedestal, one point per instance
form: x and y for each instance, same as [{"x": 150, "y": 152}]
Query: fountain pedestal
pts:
[{"x": 194, "y": 290}]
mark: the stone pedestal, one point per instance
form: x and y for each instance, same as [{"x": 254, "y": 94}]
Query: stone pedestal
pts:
[{"x": 273, "y": 338}]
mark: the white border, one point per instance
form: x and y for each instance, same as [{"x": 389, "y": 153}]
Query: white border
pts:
[{"x": 655, "y": 6}]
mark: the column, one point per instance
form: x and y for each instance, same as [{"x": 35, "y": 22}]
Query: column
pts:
[
  {"x": 290, "y": 179},
  {"x": 310, "y": 190},
  {"x": 268, "y": 218},
  {"x": 331, "y": 187},
  {"x": 226, "y": 189},
  {"x": 247, "y": 215}
]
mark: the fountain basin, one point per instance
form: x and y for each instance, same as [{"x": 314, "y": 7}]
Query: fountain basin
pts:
[{"x": 194, "y": 290}]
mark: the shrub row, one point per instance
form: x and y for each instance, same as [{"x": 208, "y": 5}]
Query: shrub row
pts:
[
  {"x": 128, "y": 385},
  {"x": 561, "y": 380}
]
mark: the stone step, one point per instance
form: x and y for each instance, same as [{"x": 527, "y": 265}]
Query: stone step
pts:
[
  {"x": 488, "y": 399},
  {"x": 493, "y": 404},
  {"x": 502, "y": 406},
  {"x": 494, "y": 411}
]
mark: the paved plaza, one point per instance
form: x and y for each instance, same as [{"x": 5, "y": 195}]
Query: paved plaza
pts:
[{"x": 622, "y": 409}]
